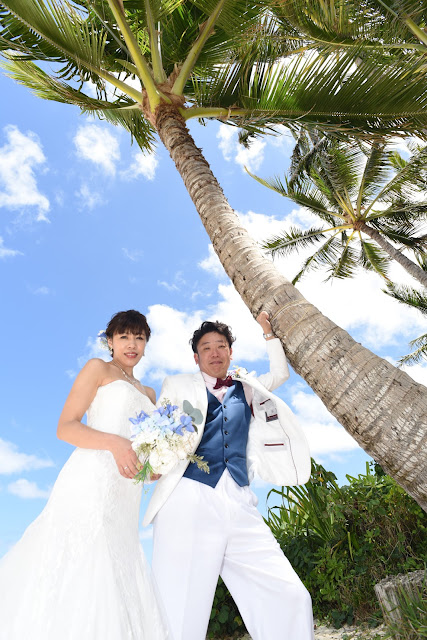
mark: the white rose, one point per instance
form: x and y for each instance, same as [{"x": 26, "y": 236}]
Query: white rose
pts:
[
  {"x": 146, "y": 436},
  {"x": 162, "y": 460}
]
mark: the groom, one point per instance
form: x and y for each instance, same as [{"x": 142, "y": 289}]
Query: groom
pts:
[{"x": 206, "y": 525}]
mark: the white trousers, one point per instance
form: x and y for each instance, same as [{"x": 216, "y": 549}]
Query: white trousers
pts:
[{"x": 201, "y": 533}]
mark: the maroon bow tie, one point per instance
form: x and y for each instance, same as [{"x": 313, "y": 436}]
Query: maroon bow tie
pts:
[{"x": 228, "y": 382}]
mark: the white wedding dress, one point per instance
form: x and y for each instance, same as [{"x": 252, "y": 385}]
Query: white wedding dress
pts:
[{"x": 78, "y": 572}]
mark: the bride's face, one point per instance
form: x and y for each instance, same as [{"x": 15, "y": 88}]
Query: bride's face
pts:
[{"x": 128, "y": 348}]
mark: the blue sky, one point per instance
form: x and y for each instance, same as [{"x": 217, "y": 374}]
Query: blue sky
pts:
[{"x": 89, "y": 226}]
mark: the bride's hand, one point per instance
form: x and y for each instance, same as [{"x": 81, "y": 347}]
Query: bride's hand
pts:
[{"x": 125, "y": 457}]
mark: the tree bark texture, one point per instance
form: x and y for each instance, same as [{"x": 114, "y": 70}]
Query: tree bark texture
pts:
[
  {"x": 383, "y": 408},
  {"x": 411, "y": 267}
]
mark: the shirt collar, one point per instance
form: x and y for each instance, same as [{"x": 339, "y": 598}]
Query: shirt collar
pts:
[{"x": 209, "y": 380}]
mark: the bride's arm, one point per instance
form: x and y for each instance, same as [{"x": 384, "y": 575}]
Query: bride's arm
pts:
[{"x": 72, "y": 430}]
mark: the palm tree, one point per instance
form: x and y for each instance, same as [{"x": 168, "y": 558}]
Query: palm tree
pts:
[
  {"x": 356, "y": 191},
  {"x": 219, "y": 59}
]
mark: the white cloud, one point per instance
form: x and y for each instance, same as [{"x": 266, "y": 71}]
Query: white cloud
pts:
[
  {"x": 170, "y": 286},
  {"x": 98, "y": 145},
  {"x": 134, "y": 255},
  {"x": 249, "y": 345},
  {"x": 324, "y": 434},
  {"x": 41, "y": 291},
  {"x": 168, "y": 350},
  {"x": 8, "y": 253},
  {"x": 143, "y": 165},
  {"x": 227, "y": 136},
  {"x": 27, "y": 490},
  {"x": 363, "y": 307},
  {"x": 418, "y": 372},
  {"x": 88, "y": 199},
  {"x": 19, "y": 158},
  {"x": 251, "y": 157},
  {"x": 176, "y": 285},
  {"x": 212, "y": 265},
  {"x": 283, "y": 141},
  {"x": 13, "y": 461}
]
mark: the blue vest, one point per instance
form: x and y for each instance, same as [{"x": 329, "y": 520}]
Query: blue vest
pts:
[{"x": 224, "y": 440}]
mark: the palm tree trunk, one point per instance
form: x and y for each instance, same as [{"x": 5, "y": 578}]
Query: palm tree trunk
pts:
[
  {"x": 379, "y": 405},
  {"x": 412, "y": 268}
]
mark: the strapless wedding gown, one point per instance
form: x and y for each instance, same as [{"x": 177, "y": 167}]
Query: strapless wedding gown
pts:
[{"x": 78, "y": 572}]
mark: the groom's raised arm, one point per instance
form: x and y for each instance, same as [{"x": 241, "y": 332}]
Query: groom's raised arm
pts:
[{"x": 279, "y": 371}]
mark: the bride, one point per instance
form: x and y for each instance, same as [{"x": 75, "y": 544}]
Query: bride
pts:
[{"x": 79, "y": 572}]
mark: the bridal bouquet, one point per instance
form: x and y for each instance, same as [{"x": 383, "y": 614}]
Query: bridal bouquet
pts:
[{"x": 164, "y": 437}]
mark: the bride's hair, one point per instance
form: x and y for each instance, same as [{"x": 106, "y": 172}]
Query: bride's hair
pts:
[{"x": 128, "y": 322}]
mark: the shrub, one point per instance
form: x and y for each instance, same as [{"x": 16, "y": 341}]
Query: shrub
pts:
[
  {"x": 225, "y": 621},
  {"x": 343, "y": 540}
]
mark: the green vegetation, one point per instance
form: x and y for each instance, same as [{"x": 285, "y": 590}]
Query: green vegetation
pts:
[
  {"x": 225, "y": 619},
  {"x": 343, "y": 540}
]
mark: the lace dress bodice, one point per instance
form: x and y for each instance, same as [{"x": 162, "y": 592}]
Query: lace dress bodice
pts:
[{"x": 114, "y": 404}]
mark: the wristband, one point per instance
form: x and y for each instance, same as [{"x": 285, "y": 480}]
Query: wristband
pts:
[{"x": 268, "y": 335}]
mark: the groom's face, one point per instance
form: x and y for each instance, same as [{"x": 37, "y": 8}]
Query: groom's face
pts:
[{"x": 213, "y": 354}]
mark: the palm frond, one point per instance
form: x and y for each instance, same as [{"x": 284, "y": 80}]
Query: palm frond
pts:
[
  {"x": 408, "y": 295},
  {"x": 417, "y": 300},
  {"x": 377, "y": 171},
  {"x": 132, "y": 121},
  {"x": 52, "y": 30},
  {"x": 340, "y": 164},
  {"x": 408, "y": 181},
  {"x": 309, "y": 89},
  {"x": 326, "y": 255},
  {"x": 294, "y": 239},
  {"x": 136, "y": 10},
  {"x": 420, "y": 351},
  {"x": 44, "y": 86},
  {"x": 121, "y": 111},
  {"x": 343, "y": 25},
  {"x": 345, "y": 266},
  {"x": 304, "y": 154},
  {"x": 396, "y": 160},
  {"x": 403, "y": 229},
  {"x": 399, "y": 211},
  {"x": 373, "y": 259},
  {"x": 237, "y": 16}
]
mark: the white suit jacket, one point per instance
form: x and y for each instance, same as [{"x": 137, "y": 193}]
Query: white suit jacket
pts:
[{"x": 277, "y": 450}]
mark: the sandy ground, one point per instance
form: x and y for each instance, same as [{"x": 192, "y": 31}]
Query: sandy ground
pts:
[{"x": 345, "y": 633}]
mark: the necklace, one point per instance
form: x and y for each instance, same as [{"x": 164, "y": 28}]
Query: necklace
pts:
[{"x": 130, "y": 379}]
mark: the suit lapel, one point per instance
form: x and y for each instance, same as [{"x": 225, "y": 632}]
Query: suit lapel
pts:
[{"x": 201, "y": 402}]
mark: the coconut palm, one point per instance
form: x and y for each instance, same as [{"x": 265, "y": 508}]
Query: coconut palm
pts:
[
  {"x": 355, "y": 191},
  {"x": 219, "y": 59}
]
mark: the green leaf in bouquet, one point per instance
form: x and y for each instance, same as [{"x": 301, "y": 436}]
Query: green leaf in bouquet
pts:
[{"x": 195, "y": 414}]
